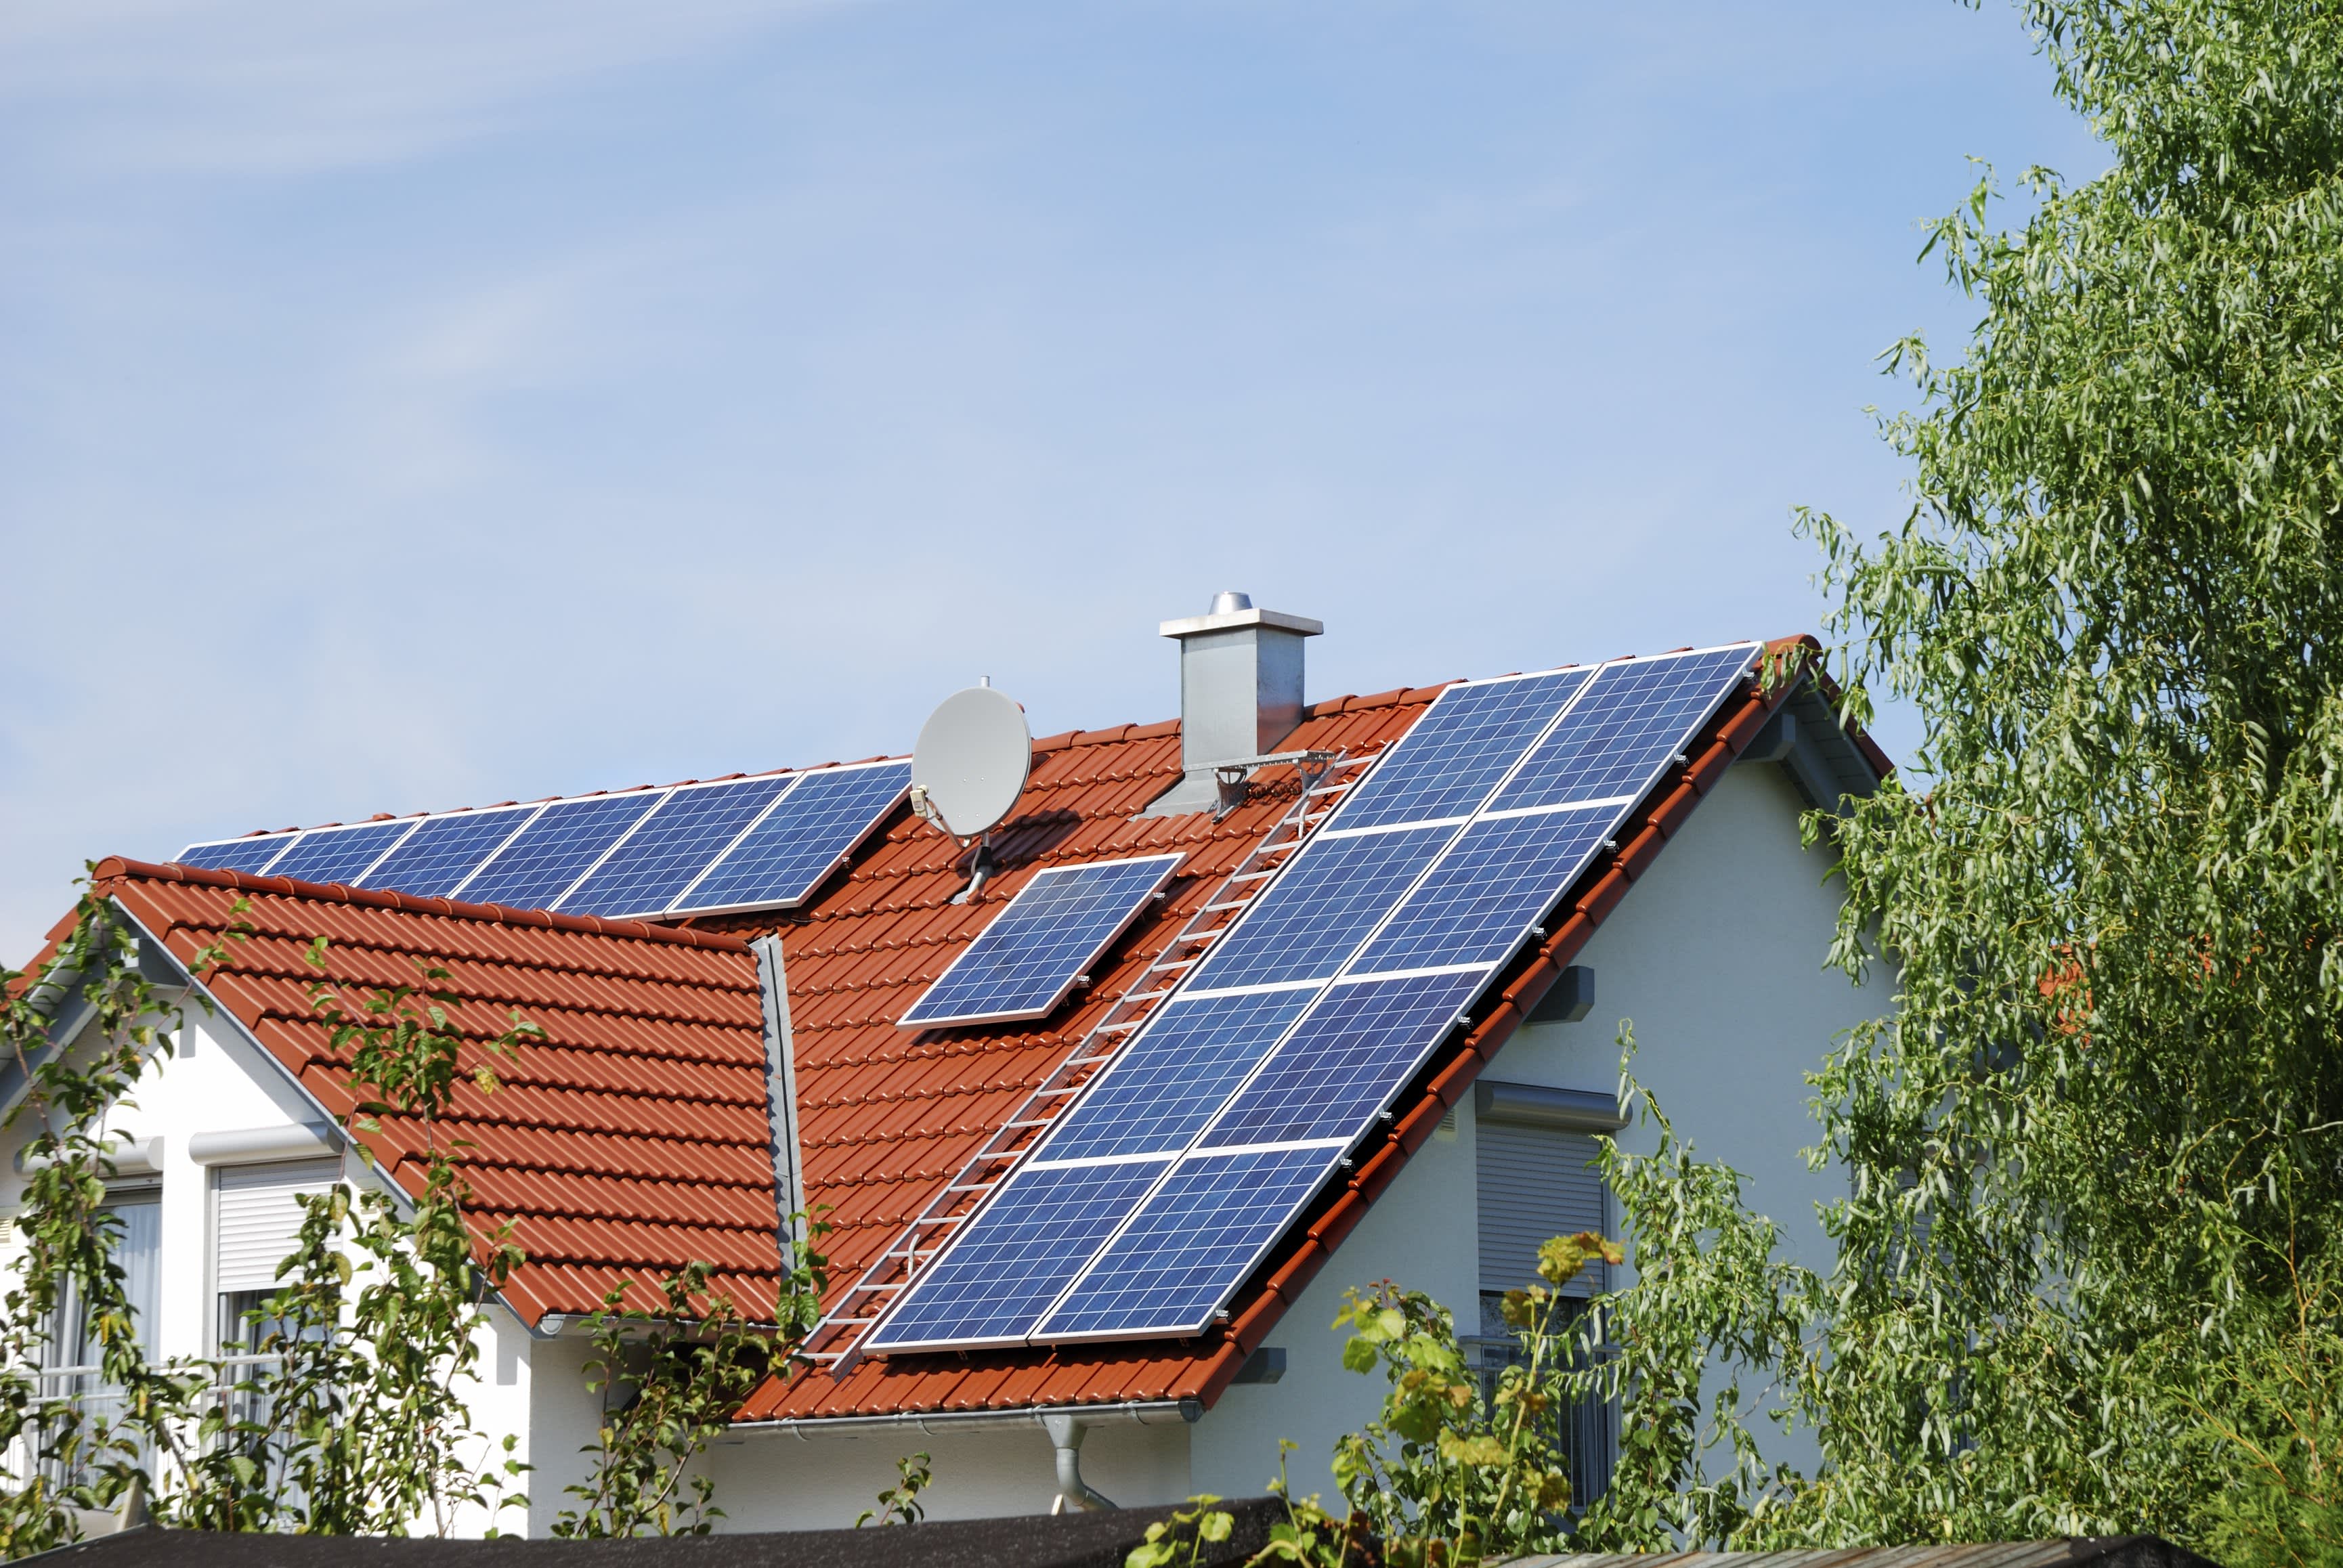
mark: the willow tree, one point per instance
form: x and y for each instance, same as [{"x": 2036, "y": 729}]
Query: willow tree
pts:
[{"x": 2091, "y": 1263}]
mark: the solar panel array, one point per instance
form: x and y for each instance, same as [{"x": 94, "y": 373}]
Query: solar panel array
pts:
[
  {"x": 1144, "y": 1208},
  {"x": 1023, "y": 963},
  {"x": 752, "y": 843}
]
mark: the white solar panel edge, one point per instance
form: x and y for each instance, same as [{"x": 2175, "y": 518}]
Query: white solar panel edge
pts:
[
  {"x": 618, "y": 843},
  {"x": 1172, "y": 862},
  {"x": 845, "y": 854},
  {"x": 683, "y": 898}
]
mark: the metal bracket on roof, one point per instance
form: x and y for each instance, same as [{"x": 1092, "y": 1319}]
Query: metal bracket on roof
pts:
[
  {"x": 1232, "y": 775},
  {"x": 981, "y": 868}
]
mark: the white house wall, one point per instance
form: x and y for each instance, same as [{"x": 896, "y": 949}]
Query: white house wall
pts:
[{"x": 216, "y": 1080}]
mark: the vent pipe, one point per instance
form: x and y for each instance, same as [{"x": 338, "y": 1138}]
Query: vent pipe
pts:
[{"x": 1240, "y": 693}]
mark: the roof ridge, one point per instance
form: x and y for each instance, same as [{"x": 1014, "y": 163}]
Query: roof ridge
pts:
[{"x": 120, "y": 868}]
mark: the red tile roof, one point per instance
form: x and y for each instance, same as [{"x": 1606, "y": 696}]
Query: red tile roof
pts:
[
  {"x": 631, "y": 1140},
  {"x": 634, "y": 1139}
]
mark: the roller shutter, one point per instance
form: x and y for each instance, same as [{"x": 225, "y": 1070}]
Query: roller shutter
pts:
[
  {"x": 260, "y": 1220},
  {"x": 1537, "y": 1183}
]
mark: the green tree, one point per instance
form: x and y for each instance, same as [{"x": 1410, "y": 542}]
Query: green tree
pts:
[
  {"x": 357, "y": 1423},
  {"x": 75, "y": 1458},
  {"x": 2086, "y": 1267},
  {"x": 671, "y": 1380}
]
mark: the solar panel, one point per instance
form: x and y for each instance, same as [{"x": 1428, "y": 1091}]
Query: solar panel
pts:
[
  {"x": 1315, "y": 913},
  {"x": 1348, "y": 1058},
  {"x": 339, "y": 854},
  {"x": 1167, "y": 1273},
  {"x": 1327, "y": 996},
  {"x": 1455, "y": 755},
  {"x": 434, "y": 860},
  {"x": 1630, "y": 725},
  {"x": 248, "y": 855},
  {"x": 1040, "y": 1229},
  {"x": 1024, "y": 962},
  {"x": 543, "y": 860},
  {"x": 1501, "y": 876},
  {"x": 650, "y": 870},
  {"x": 1158, "y": 1092},
  {"x": 697, "y": 849},
  {"x": 784, "y": 855}
]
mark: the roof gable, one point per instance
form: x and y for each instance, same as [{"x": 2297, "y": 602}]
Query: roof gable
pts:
[{"x": 627, "y": 1141}]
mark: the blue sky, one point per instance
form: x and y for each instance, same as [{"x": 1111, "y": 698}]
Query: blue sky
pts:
[{"x": 419, "y": 405}]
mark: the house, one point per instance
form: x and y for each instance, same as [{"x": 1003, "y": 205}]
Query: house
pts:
[{"x": 709, "y": 1071}]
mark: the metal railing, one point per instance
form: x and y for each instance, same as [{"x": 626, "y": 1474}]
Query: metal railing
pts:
[{"x": 77, "y": 1397}]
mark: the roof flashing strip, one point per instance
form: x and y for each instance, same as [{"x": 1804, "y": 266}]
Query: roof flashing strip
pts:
[{"x": 781, "y": 1091}]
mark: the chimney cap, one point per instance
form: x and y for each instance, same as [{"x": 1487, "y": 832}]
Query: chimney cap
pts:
[{"x": 1231, "y": 609}]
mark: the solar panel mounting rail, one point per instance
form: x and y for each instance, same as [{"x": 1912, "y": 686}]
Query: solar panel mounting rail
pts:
[{"x": 836, "y": 1341}]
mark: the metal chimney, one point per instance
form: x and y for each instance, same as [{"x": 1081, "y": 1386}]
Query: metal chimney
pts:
[{"x": 1240, "y": 693}]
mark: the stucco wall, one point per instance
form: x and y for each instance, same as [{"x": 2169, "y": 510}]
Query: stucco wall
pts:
[
  {"x": 1715, "y": 956},
  {"x": 215, "y": 1081},
  {"x": 777, "y": 1480}
]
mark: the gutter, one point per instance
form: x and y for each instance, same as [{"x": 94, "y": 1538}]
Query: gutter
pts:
[
  {"x": 1067, "y": 1425},
  {"x": 1131, "y": 1413}
]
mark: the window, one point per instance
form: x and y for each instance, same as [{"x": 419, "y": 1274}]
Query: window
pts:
[
  {"x": 258, "y": 1221},
  {"x": 73, "y": 1371},
  {"x": 1537, "y": 1182},
  {"x": 257, "y": 1225}
]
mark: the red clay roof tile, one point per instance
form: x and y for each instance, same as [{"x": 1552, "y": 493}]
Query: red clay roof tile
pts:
[{"x": 634, "y": 1139}]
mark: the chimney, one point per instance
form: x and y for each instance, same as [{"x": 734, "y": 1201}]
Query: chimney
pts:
[{"x": 1240, "y": 693}]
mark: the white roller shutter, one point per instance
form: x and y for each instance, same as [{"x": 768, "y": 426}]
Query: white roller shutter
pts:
[
  {"x": 1537, "y": 1183},
  {"x": 259, "y": 1218}
]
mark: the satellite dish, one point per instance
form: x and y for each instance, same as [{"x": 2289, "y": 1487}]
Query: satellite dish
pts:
[{"x": 971, "y": 763}]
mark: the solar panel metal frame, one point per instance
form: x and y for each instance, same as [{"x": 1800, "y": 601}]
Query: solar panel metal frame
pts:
[
  {"x": 526, "y": 815},
  {"x": 1622, "y": 804},
  {"x": 405, "y": 829},
  {"x": 698, "y": 786},
  {"x": 523, "y": 815},
  {"x": 1168, "y": 864},
  {"x": 845, "y": 853},
  {"x": 464, "y": 893},
  {"x": 283, "y": 841}
]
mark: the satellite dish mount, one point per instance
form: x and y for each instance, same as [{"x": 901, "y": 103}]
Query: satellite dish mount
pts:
[{"x": 968, "y": 769}]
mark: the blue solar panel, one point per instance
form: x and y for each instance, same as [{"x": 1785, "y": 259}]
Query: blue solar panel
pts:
[
  {"x": 783, "y": 858},
  {"x": 1630, "y": 723},
  {"x": 1453, "y": 756},
  {"x": 1024, "y": 962},
  {"x": 648, "y": 872},
  {"x": 237, "y": 854},
  {"x": 1159, "y": 1092},
  {"x": 442, "y": 852},
  {"x": 1251, "y": 1058},
  {"x": 1192, "y": 1244},
  {"x": 1487, "y": 891},
  {"x": 1319, "y": 908},
  {"x": 552, "y": 852},
  {"x": 1346, "y": 1059},
  {"x": 1003, "y": 1272},
  {"x": 339, "y": 854}
]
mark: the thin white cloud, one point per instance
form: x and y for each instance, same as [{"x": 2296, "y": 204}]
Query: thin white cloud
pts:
[{"x": 289, "y": 86}]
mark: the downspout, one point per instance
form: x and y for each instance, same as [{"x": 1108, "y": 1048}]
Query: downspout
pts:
[
  {"x": 1066, "y": 1430},
  {"x": 781, "y": 1088}
]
